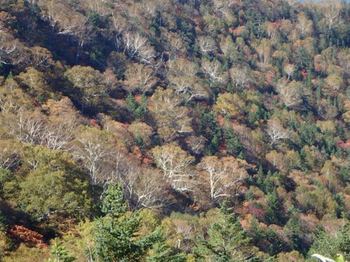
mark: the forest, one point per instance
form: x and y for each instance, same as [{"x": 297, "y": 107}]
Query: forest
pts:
[{"x": 174, "y": 130}]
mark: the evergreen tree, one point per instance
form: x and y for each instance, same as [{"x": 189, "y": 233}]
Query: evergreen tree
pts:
[
  {"x": 225, "y": 240},
  {"x": 333, "y": 245},
  {"x": 113, "y": 201},
  {"x": 116, "y": 234},
  {"x": 60, "y": 254},
  {"x": 161, "y": 252},
  {"x": 233, "y": 144}
]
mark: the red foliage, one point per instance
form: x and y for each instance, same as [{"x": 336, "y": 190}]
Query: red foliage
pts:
[
  {"x": 254, "y": 210},
  {"x": 138, "y": 98},
  {"x": 137, "y": 152},
  {"x": 344, "y": 145},
  {"x": 304, "y": 73},
  {"x": 147, "y": 161},
  {"x": 27, "y": 236},
  {"x": 94, "y": 123}
]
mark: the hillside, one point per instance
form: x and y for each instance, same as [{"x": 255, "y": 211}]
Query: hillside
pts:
[{"x": 174, "y": 130}]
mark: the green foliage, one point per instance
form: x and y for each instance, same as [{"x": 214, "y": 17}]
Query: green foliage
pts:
[
  {"x": 138, "y": 110},
  {"x": 211, "y": 131},
  {"x": 233, "y": 144},
  {"x": 274, "y": 212},
  {"x": 295, "y": 233},
  {"x": 213, "y": 75},
  {"x": 332, "y": 244},
  {"x": 113, "y": 203},
  {"x": 267, "y": 239},
  {"x": 54, "y": 185},
  {"x": 116, "y": 234},
  {"x": 97, "y": 20},
  {"x": 59, "y": 253},
  {"x": 161, "y": 252},
  {"x": 225, "y": 240}
]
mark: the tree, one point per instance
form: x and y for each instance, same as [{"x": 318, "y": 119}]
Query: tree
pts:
[
  {"x": 60, "y": 254},
  {"x": 331, "y": 244},
  {"x": 274, "y": 212},
  {"x": 66, "y": 20},
  {"x": 334, "y": 84},
  {"x": 182, "y": 76},
  {"x": 54, "y": 184},
  {"x": 36, "y": 84},
  {"x": 289, "y": 70},
  {"x": 229, "y": 104},
  {"x": 211, "y": 130},
  {"x": 116, "y": 234},
  {"x": 140, "y": 78},
  {"x": 113, "y": 201},
  {"x": 263, "y": 48},
  {"x": 88, "y": 83},
  {"x": 276, "y": 131},
  {"x": 8, "y": 48},
  {"x": 240, "y": 77},
  {"x": 143, "y": 187},
  {"x": 331, "y": 12},
  {"x": 9, "y": 154},
  {"x": 161, "y": 252},
  {"x": 304, "y": 25},
  {"x": 290, "y": 93},
  {"x": 225, "y": 240},
  {"x": 174, "y": 163},
  {"x": 97, "y": 149},
  {"x": 138, "y": 109},
  {"x": 207, "y": 45},
  {"x": 172, "y": 119},
  {"x": 233, "y": 144},
  {"x": 142, "y": 133},
  {"x": 28, "y": 127},
  {"x": 137, "y": 46},
  {"x": 224, "y": 176},
  {"x": 213, "y": 69}
]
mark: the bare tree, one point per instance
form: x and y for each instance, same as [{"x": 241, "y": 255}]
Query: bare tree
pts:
[
  {"x": 213, "y": 70},
  {"x": 28, "y": 127},
  {"x": 240, "y": 77},
  {"x": 95, "y": 148},
  {"x": 290, "y": 93},
  {"x": 143, "y": 187},
  {"x": 304, "y": 25},
  {"x": 207, "y": 44},
  {"x": 137, "y": 46},
  {"x": 224, "y": 176},
  {"x": 276, "y": 131},
  {"x": 8, "y": 48},
  {"x": 9, "y": 155},
  {"x": 331, "y": 11},
  {"x": 174, "y": 163},
  {"x": 263, "y": 48},
  {"x": 172, "y": 119},
  {"x": 58, "y": 136},
  {"x": 140, "y": 77},
  {"x": 189, "y": 88}
]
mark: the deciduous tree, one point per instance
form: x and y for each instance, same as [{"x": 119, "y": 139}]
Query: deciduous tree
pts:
[
  {"x": 224, "y": 176},
  {"x": 175, "y": 165}
]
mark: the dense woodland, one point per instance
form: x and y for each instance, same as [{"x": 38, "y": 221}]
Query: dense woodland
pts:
[{"x": 174, "y": 130}]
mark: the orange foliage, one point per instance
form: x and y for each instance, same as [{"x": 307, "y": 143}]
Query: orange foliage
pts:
[{"x": 27, "y": 236}]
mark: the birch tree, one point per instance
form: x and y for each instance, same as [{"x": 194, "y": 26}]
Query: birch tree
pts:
[
  {"x": 174, "y": 163},
  {"x": 96, "y": 149},
  {"x": 224, "y": 176},
  {"x": 276, "y": 131}
]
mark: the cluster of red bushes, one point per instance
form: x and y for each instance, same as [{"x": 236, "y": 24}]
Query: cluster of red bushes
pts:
[{"x": 27, "y": 236}]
